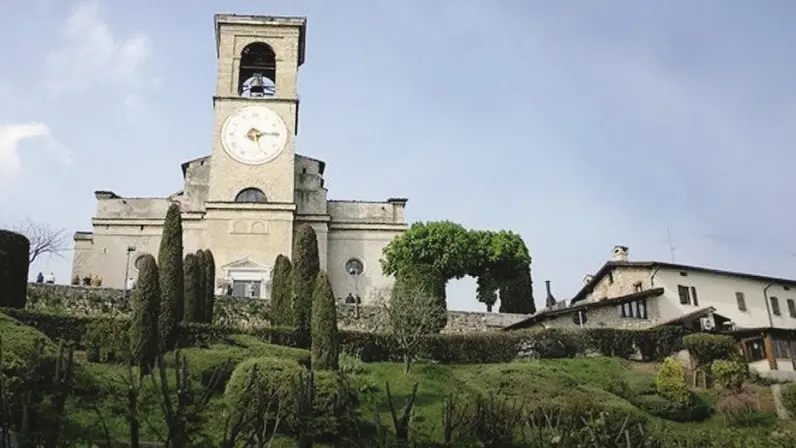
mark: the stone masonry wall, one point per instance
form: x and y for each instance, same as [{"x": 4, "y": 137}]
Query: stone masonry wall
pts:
[
  {"x": 608, "y": 317},
  {"x": 88, "y": 301}
]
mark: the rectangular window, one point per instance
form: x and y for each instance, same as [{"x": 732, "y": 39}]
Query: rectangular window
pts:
[
  {"x": 694, "y": 297},
  {"x": 685, "y": 297},
  {"x": 792, "y": 308},
  {"x": 741, "y": 299},
  {"x": 781, "y": 350},
  {"x": 755, "y": 350},
  {"x": 636, "y": 309},
  {"x": 775, "y": 306}
]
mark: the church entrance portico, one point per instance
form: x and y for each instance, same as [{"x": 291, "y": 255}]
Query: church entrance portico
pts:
[{"x": 247, "y": 278}]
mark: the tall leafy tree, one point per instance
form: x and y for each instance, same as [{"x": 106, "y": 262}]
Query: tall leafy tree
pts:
[
  {"x": 194, "y": 311},
  {"x": 172, "y": 288},
  {"x": 306, "y": 265},
  {"x": 209, "y": 277},
  {"x": 281, "y": 292},
  {"x": 325, "y": 335},
  {"x": 424, "y": 280},
  {"x": 144, "y": 336}
]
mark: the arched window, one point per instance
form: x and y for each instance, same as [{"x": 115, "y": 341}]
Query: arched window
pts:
[
  {"x": 257, "y": 75},
  {"x": 138, "y": 262},
  {"x": 252, "y": 196}
]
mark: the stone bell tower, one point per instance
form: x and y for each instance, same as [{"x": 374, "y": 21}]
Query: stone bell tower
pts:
[{"x": 250, "y": 206}]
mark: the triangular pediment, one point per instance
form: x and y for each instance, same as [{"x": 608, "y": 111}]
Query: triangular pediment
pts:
[{"x": 245, "y": 263}]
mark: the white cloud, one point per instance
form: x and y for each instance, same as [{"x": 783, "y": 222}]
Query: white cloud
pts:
[
  {"x": 11, "y": 138},
  {"x": 92, "y": 54}
]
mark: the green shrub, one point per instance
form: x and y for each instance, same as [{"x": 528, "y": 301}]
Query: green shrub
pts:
[
  {"x": 209, "y": 277},
  {"x": 194, "y": 302},
  {"x": 281, "y": 293},
  {"x": 306, "y": 265},
  {"x": 789, "y": 398},
  {"x": 610, "y": 342},
  {"x": 221, "y": 358},
  {"x": 324, "y": 336},
  {"x": 705, "y": 348},
  {"x": 107, "y": 340},
  {"x": 695, "y": 408},
  {"x": 658, "y": 343},
  {"x": 729, "y": 374},
  {"x": 23, "y": 349},
  {"x": 740, "y": 408},
  {"x": 475, "y": 348},
  {"x": 56, "y": 326},
  {"x": 334, "y": 405},
  {"x": 144, "y": 337},
  {"x": 14, "y": 249},
  {"x": 272, "y": 387},
  {"x": 670, "y": 382},
  {"x": 171, "y": 275}
]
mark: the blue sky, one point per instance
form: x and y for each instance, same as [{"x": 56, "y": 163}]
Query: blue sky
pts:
[{"x": 578, "y": 125}]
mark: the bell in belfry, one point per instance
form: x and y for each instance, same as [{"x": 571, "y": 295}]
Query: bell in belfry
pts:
[{"x": 257, "y": 86}]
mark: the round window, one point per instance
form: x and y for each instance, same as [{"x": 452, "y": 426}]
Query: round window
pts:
[{"x": 354, "y": 267}]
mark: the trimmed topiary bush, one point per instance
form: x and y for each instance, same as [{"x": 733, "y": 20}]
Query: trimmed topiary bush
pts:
[
  {"x": 193, "y": 311},
  {"x": 14, "y": 251},
  {"x": 202, "y": 291},
  {"x": 670, "y": 382},
  {"x": 705, "y": 348},
  {"x": 729, "y": 374},
  {"x": 281, "y": 293},
  {"x": 209, "y": 277},
  {"x": 325, "y": 338},
  {"x": 144, "y": 336},
  {"x": 271, "y": 387},
  {"x": 306, "y": 265},
  {"x": 172, "y": 288}
]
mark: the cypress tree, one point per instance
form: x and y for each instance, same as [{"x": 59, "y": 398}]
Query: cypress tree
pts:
[
  {"x": 325, "y": 336},
  {"x": 193, "y": 303},
  {"x": 14, "y": 266},
  {"x": 209, "y": 277},
  {"x": 201, "y": 293},
  {"x": 172, "y": 288},
  {"x": 281, "y": 293},
  {"x": 144, "y": 337},
  {"x": 306, "y": 265},
  {"x": 516, "y": 292}
]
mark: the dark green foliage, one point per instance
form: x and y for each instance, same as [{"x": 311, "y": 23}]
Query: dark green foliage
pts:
[
  {"x": 706, "y": 348},
  {"x": 325, "y": 338},
  {"x": 172, "y": 288},
  {"x": 694, "y": 410},
  {"x": 281, "y": 292},
  {"x": 425, "y": 279},
  {"x": 516, "y": 293},
  {"x": 144, "y": 336},
  {"x": 14, "y": 251},
  {"x": 201, "y": 261},
  {"x": 194, "y": 309},
  {"x": 499, "y": 260},
  {"x": 209, "y": 276},
  {"x": 107, "y": 341},
  {"x": 789, "y": 397},
  {"x": 306, "y": 265}
]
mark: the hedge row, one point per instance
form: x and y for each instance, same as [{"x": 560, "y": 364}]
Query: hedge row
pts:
[{"x": 474, "y": 348}]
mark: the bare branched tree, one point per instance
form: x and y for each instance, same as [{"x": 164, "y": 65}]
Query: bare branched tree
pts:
[
  {"x": 43, "y": 239},
  {"x": 408, "y": 315}
]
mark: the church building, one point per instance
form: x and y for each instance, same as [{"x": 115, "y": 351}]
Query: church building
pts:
[{"x": 246, "y": 200}]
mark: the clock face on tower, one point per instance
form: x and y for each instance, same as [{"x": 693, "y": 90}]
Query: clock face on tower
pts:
[{"x": 254, "y": 135}]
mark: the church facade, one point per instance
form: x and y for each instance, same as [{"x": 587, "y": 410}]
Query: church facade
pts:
[{"x": 246, "y": 200}]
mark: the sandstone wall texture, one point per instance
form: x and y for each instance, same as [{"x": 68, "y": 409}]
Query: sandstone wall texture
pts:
[{"x": 239, "y": 311}]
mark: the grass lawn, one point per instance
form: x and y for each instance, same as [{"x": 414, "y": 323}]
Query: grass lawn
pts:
[{"x": 529, "y": 381}]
